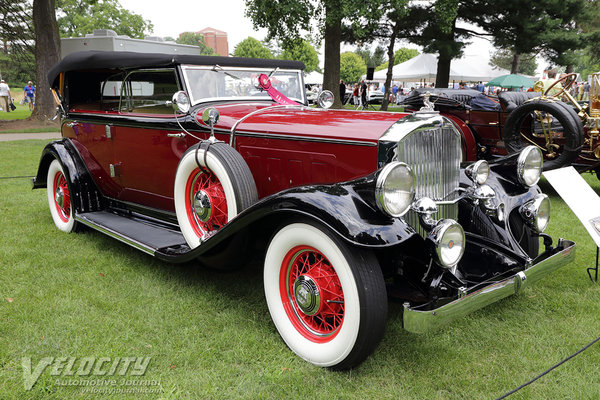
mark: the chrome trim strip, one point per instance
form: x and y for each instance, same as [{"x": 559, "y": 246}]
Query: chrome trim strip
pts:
[
  {"x": 425, "y": 321},
  {"x": 239, "y": 121},
  {"x": 116, "y": 235}
]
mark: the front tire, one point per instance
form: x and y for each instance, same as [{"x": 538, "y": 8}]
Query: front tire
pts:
[
  {"x": 327, "y": 299},
  {"x": 59, "y": 197}
]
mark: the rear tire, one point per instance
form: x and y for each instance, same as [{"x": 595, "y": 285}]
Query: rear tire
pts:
[
  {"x": 327, "y": 299},
  {"x": 59, "y": 192}
]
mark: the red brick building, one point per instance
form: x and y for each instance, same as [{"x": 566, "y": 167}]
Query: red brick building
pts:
[{"x": 217, "y": 40}]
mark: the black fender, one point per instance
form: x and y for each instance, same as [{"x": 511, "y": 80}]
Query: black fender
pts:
[
  {"x": 347, "y": 209},
  {"x": 87, "y": 195}
]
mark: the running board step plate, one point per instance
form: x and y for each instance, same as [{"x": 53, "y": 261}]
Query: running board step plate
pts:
[{"x": 134, "y": 232}]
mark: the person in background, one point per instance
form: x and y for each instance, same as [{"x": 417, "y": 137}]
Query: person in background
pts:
[
  {"x": 29, "y": 92},
  {"x": 363, "y": 93},
  {"x": 480, "y": 87},
  {"x": 461, "y": 85},
  {"x": 5, "y": 96},
  {"x": 394, "y": 93},
  {"x": 549, "y": 82},
  {"x": 342, "y": 91},
  {"x": 355, "y": 91}
]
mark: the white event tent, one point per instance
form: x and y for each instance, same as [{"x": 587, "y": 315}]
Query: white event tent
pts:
[
  {"x": 470, "y": 68},
  {"x": 314, "y": 78}
]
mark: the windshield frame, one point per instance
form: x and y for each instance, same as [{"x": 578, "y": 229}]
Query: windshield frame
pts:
[{"x": 218, "y": 69}]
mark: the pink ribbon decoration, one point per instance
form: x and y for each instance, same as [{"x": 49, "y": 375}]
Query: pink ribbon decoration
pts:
[{"x": 265, "y": 83}]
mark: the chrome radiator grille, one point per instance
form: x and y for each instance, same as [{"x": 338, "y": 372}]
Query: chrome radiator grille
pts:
[{"x": 434, "y": 155}]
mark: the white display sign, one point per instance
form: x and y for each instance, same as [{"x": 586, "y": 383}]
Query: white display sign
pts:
[{"x": 579, "y": 196}]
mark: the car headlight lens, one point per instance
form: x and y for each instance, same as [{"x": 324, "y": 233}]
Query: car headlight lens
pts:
[
  {"x": 448, "y": 238},
  {"x": 395, "y": 189},
  {"x": 537, "y": 212},
  {"x": 529, "y": 165},
  {"x": 479, "y": 172}
]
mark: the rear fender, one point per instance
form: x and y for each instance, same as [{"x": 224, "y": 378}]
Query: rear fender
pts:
[{"x": 85, "y": 195}]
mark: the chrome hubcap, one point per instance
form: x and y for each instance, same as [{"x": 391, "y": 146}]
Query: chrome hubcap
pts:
[
  {"x": 59, "y": 197},
  {"x": 306, "y": 293},
  {"x": 202, "y": 206}
]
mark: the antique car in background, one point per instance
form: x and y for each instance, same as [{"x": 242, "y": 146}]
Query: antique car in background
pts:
[
  {"x": 214, "y": 159},
  {"x": 565, "y": 131}
]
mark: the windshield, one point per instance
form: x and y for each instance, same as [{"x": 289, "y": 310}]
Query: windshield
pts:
[{"x": 216, "y": 83}]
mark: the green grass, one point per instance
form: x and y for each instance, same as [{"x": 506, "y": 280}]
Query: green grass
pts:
[
  {"x": 210, "y": 335},
  {"x": 21, "y": 112}
]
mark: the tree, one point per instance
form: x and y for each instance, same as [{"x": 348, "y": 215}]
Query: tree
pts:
[
  {"x": 77, "y": 18},
  {"x": 301, "y": 50},
  {"x": 352, "y": 67},
  {"x": 504, "y": 59},
  {"x": 195, "y": 39},
  {"x": 543, "y": 26},
  {"x": 17, "y": 61},
  {"x": 371, "y": 59},
  {"x": 287, "y": 19},
  {"x": 251, "y": 48},
  {"x": 47, "y": 53},
  {"x": 401, "y": 55}
]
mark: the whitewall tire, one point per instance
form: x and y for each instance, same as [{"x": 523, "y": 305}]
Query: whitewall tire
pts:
[
  {"x": 327, "y": 299},
  {"x": 59, "y": 197},
  {"x": 206, "y": 199}
]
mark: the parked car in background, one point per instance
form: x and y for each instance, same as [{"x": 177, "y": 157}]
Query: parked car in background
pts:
[
  {"x": 565, "y": 131},
  {"x": 219, "y": 159},
  {"x": 375, "y": 96}
]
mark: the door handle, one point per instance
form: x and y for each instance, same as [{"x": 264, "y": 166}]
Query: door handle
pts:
[
  {"x": 492, "y": 123},
  {"x": 177, "y": 135}
]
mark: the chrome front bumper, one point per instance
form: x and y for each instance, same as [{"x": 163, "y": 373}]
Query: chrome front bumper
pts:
[{"x": 424, "y": 321}]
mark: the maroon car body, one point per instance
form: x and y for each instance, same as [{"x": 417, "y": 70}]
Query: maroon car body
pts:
[{"x": 186, "y": 159}]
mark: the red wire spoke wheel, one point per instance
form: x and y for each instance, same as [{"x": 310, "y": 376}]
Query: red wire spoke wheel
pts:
[
  {"x": 62, "y": 199},
  {"x": 59, "y": 197},
  {"x": 209, "y": 195},
  {"x": 312, "y": 294},
  {"x": 327, "y": 298},
  {"x": 205, "y": 203}
]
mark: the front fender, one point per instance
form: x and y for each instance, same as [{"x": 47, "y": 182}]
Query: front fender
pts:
[{"x": 348, "y": 209}]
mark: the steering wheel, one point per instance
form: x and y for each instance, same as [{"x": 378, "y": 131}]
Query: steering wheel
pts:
[{"x": 567, "y": 81}]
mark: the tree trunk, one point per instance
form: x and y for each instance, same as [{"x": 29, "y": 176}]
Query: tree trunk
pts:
[
  {"x": 331, "y": 73},
  {"x": 388, "y": 76},
  {"x": 443, "y": 70},
  {"x": 47, "y": 53},
  {"x": 516, "y": 61}
]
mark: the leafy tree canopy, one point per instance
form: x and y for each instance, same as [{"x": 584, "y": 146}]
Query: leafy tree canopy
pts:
[
  {"x": 504, "y": 59},
  {"x": 251, "y": 48},
  {"x": 17, "y": 61},
  {"x": 195, "y": 39},
  {"x": 301, "y": 50},
  {"x": 371, "y": 59},
  {"x": 352, "y": 67},
  {"x": 77, "y": 18}
]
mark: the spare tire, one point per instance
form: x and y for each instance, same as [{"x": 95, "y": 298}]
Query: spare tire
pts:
[
  {"x": 212, "y": 186},
  {"x": 566, "y": 116}
]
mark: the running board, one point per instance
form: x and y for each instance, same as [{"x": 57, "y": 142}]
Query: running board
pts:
[{"x": 133, "y": 231}]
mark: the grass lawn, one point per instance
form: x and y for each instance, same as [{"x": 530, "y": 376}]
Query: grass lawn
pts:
[{"x": 209, "y": 334}]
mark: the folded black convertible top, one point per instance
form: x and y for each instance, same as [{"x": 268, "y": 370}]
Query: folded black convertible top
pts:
[{"x": 129, "y": 60}]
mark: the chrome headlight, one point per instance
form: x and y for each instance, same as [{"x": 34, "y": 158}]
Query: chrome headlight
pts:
[
  {"x": 448, "y": 238},
  {"x": 537, "y": 212},
  {"x": 478, "y": 172},
  {"x": 395, "y": 189},
  {"x": 529, "y": 165}
]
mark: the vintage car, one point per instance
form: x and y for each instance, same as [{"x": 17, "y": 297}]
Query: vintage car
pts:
[
  {"x": 565, "y": 131},
  {"x": 212, "y": 159}
]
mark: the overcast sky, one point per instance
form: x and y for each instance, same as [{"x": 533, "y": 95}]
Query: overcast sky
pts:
[{"x": 172, "y": 18}]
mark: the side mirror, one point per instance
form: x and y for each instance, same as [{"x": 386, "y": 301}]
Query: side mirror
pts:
[
  {"x": 181, "y": 102},
  {"x": 210, "y": 116},
  {"x": 325, "y": 99}
]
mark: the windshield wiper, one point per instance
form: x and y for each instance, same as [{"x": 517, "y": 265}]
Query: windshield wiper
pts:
[{"x": 218, "y": 68}]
